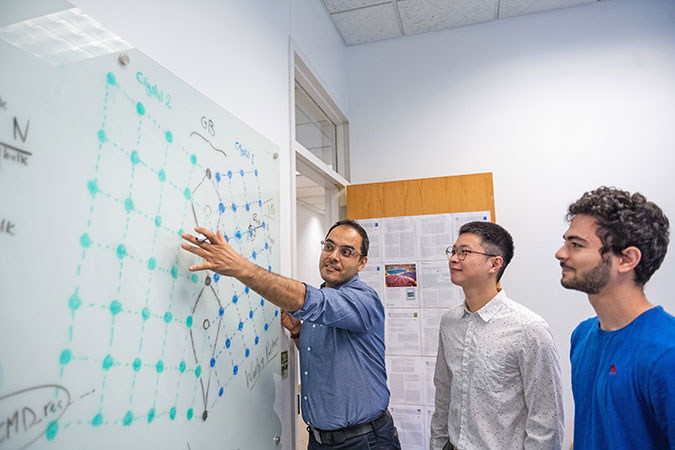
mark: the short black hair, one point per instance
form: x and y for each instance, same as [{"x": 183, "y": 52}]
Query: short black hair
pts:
[
  {"x": 365, "y": 242},
  {"x": 494, "y": 238},
  {"x": 624, "y": 220}
]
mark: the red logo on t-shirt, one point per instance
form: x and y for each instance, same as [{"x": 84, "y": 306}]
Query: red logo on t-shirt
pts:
[{"x": 612, "y": 369}]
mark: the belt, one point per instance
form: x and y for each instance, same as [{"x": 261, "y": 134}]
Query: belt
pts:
[{"x": 334, "y": 437}]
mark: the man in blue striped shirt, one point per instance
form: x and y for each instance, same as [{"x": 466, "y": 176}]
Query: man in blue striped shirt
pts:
[{"x": 340, "y": 338}]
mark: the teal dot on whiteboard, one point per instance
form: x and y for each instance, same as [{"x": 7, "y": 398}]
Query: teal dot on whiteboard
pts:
[
  {"x": 180, "y": 233},
  {"x": 198, "y": 371},
  {"x": 193, "y": 159},
  {"x": 66, "y": 356},
  {"x": 140, "y": 108},
  {"x": 121, "y": 251},
  {"x": 151, "y": 415},
  {"x": 159, "y": 366},
  {"x": 169, "y": 136},
  {"x": 195, "y": 278},
  {"x": 85, "y": 240},
  {"x": 115, "y": 307},
  {"x": 158, "y": 221},
  {"x": 97, "y": 420},
  {"x": 136, "y": 365},
  {"x": 189, "y": 414},
  {"x": 152, "y": 263},
  {"x": 129, "y": 205},
  {"x": 135, "y": 159},
  {"x": 172, "y": 413},
  {"x": 52, "y": 429},
  {"x": 92, "y": 186},
  {"x": 145, "y": 313},
  {"x": 101, "y": 136},
  {"x": 174, "y": 272},
  {"x": 108, "y": 362},
  {"x": 187, "y": 194},
  {"x": 162, "y": 175},
  {"x": 128, "y": 418},
  {"x": 167, "y": 317},
  {"x": 188, "y": 321},
  {"x": 182, "y": 366},
  {"x": 111, "y": 78},
  {"x": 74, "y": 302}
]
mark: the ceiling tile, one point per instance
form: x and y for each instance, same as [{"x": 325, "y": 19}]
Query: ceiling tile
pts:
[
  {"x": 367, "y": 24},
  {"x": 421, "y": 16},
  {"x": 510, "y": 8},
  {"x": 334, "y": 6}
]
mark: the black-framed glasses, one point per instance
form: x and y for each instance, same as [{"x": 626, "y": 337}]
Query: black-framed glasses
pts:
[
  {"x": 344, "y": 251},
  {"x": 462, "y": 252}
]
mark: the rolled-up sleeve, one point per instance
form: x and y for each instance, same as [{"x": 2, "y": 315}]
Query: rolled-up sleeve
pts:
[{"x": 353, "y": 306}]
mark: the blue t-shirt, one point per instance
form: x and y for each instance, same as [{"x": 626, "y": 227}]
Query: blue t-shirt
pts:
[
  {"x": 342, "y": 369},
  {"x": 624, "y": 384}
]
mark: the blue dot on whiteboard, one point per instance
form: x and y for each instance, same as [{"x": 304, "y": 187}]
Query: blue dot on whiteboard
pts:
[
  {"x": 135, "y": 159},
  {"x": 262, "y": 302},
  {"x": 256, "y": 172},
  {"x": 52, "y": 430},
  {"x": 227, "y": 238},
  {"x": 92, "y": 186},
  {"x": 247, "y": 290},
  {"x": 227, "y": 343},
  {"x": 169, "y": 136},
  {"x": 263, "y": 225},
  {"x": 162, "y": 175},
  {"x": 128, "y": 418},
  {"x": 182, "y": 366},
  {"x": 241, "y": 172},
  {"x": 66, "y": 356},
  {"x": 172, "y": 413},
  {"x": 193, "y": 159},
  {"x": 234, "y": 207},
  {"x": 221, "y": 207},
  {"x": 85, "y": 240},
  {"x": 216, "y": 277},
  {"x": 158, "y": 221},
  {"x": 241, "y": 325},
  {"x": 115, "y": 307},
  {"x": 218, "y": 177},
  {"x": 221, "y": 311},
  {"x": 266, "y": 327},
  {"x": 250, "y": 314},
  {"x": 195, "y": 278},
  {"x": 74, "y": 302},
  {"x": 267, "y": 246},
  {"x": 257, "y": 339},
  {"x": 484, "y": 217},
  {"x": 121, "y": 251},
  {"x": 151, "y": 415},
  {"x": 269, "y": 268},
  {"x": 213, "y": 362},
  {"x": 248, "y": 352},
  {"x": 128, "y": 205},
  {"x": 259, "y": 202},
  {"x": 152, "y": 263},
  {"x": 187, "y": 194},
  {"x": 229, "y": 174},
  {"x": 140, "y": 109},
  {"x": 145, "y": 314},
  {"x": 253, "y": 255},
  {"x": 220, "y": 392},
  {"x": 107, "y": 362},
  {"x": 235, "y": 370},
  {"x": 136, "y": 365},
  {"x": 198, "y": 371},
  {"x": 248, "y": 208},
  {"x": 276, "y": 313},
  {"x": 101, "y": 136},
  {"x": 111, "y": 78},
  {"x": 174, "y": 272},
  {"x": 234, "y": 299},
  {"x": 188, "y": 321},
  {"x": 159, "y": 366},
  {"x": 189, "y": 414},
  {"x": 97, "y": 420},
  {"x": 168, "y": 317}
]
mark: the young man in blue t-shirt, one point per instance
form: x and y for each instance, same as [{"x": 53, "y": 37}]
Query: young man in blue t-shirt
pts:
[{"x": 623, "y": 360}]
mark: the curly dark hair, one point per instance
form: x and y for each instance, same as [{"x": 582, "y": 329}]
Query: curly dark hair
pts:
[
  {"x": 626, "y": 220},
  {"x": 494, "y": 238}
]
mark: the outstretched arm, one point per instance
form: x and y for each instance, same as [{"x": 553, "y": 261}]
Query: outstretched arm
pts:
[{"x": 220, "y": 257}]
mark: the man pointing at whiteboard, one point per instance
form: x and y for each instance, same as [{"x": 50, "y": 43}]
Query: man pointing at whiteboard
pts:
[{"x": 340, "y": 338}]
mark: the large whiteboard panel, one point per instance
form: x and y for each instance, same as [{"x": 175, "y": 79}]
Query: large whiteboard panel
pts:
[{"x": 107, "y": 341}]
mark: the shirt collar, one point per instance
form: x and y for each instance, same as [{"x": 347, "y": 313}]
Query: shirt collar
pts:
[{"x": 491, "y": 308}]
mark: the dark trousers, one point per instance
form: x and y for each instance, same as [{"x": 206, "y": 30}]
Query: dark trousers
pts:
[{"x": 385, "y": 438}]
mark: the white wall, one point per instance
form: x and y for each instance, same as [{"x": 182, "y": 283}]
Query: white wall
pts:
[
  {"x": 311, "y": 231},
  {"x": 237, "y": 54},
  {"x": 552, "y": 104}
]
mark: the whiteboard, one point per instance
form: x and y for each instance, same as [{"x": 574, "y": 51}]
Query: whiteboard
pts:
[{"x": 107, "y": 341}]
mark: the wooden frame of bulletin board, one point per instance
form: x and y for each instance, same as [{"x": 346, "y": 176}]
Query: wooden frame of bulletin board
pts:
[{"x": 453, "y": 194}]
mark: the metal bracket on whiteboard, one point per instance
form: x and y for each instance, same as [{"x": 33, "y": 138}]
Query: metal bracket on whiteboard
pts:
[{"x": 123, "y": 59}]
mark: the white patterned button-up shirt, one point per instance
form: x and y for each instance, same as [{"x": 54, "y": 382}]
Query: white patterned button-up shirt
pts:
[{"x": 497, "y": 380}]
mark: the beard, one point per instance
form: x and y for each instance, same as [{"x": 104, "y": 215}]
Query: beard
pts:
[{"x": 592, "y": 281}]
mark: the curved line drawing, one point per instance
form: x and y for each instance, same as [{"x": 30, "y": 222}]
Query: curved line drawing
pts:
[{"x": 212, "y": 146}]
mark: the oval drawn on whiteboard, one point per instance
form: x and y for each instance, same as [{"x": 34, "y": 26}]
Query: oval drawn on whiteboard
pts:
[{"x": 28, "y": 412}]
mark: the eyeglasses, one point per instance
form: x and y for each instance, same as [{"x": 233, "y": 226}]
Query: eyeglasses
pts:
[
  {"x": 345, "y": 252},
  {"x": 462, "y": 252}
]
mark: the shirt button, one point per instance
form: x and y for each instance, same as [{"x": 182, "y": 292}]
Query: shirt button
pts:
[
  {"x": 305, "y": 372},
  {"x": 305, "y": 397},
  {"x": 314, "y": 326},
  {"x": 309, "y": 349}
]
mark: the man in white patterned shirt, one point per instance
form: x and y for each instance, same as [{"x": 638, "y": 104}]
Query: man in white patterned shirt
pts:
[{"x": 497, "y": 371}]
